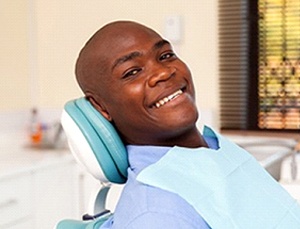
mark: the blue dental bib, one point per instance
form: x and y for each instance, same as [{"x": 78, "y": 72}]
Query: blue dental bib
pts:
[{"x": 227, "y": 187}]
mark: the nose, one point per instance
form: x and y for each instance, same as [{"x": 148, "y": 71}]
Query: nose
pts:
[{"x": 160, "y": 74}]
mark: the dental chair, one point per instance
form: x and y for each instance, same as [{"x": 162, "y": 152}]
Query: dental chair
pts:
[{"x": 96, "y": 145}]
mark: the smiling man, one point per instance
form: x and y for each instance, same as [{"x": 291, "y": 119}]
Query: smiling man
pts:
[
  {"x": 177, "y": 177},
  {"x": 132, "y": 76}
]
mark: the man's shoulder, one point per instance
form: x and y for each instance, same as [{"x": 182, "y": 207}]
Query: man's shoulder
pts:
[{"x": 139, "y": 201}]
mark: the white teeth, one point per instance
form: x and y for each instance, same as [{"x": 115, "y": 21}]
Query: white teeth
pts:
[{"x": 168, "y": 98}]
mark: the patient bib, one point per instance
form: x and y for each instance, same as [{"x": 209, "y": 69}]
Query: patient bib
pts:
[{"x": 227, "y": 187}]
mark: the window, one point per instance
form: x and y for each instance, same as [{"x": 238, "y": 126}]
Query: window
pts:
[{"x": 259, "y": 43}]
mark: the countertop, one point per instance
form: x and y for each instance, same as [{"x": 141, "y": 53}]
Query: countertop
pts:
[
  {"x": 289, "y": 135},
  {"x": 16, "y": 155}
]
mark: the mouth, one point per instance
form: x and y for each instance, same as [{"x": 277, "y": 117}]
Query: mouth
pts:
[{"x": 168, "y": 98}]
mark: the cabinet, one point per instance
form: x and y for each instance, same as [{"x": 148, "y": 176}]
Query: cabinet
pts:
[
  {"x": 16, "y": 201},
  {"x": 43, "y": 193},
  {"x": 55, "y": 195},
  {"x": 37, "y": 190},
  {"x": 27, "y": 224}
]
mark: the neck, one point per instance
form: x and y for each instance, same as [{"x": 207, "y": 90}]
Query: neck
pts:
[{"x": 190, "y": 139}]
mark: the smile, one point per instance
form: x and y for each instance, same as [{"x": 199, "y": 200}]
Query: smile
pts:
[{"x": 168, "y": 98}]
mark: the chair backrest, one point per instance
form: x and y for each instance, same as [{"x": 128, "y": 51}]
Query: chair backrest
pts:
[
  {"x": 94, "y": 142},
  {"x": 96, "y": 145}
]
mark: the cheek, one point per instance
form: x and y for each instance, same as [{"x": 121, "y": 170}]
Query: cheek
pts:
[
  {"x": 133, "y": 94},
  {"x": 134, "y": 91},
  {"x": 127, "y": 100},
  {"x": 190, "y": 80}
]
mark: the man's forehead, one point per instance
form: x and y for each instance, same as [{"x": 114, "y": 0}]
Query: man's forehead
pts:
[{"x": 119, "y": 39}]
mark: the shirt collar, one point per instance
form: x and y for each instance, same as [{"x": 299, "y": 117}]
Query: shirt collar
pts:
[{"x": 141, "y": 156}]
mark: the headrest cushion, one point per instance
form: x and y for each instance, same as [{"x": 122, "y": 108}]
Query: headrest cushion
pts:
[{"x": 106, "y": 149}]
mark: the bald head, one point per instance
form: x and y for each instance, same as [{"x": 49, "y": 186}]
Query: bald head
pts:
[
  {"x": 132, "y": 76},
  {"x": 92, "y": 66}
]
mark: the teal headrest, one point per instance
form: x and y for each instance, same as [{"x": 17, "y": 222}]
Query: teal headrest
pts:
[{"x": 102, "y": 138}]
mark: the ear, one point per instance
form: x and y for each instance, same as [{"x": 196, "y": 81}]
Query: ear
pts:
[{"x": 100, "y": 107}]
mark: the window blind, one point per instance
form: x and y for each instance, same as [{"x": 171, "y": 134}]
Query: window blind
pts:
[
  {"x": 279, "y": 64},
  {"x": 259, "y": 53},
  {"x": 233, "y": 65}
]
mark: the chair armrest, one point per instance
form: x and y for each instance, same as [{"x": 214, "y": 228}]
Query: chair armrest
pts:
[{"x": 77, "y": 224}]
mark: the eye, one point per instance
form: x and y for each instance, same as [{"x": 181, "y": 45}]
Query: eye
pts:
[
  {"x": 131, "y": 73},
  {"x": 167, "y": 55}
]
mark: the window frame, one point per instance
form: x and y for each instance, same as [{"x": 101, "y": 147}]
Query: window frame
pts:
[{"x": 251, "y": 107}]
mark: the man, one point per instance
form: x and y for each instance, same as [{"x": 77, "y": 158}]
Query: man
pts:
[
  {"x": 176, "y": 176},
  {"x": 134, "y": 79},
  {"x": 128, "y": 72}
]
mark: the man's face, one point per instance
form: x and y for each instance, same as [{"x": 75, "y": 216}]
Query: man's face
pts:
[{"x": 146, "y": 89}]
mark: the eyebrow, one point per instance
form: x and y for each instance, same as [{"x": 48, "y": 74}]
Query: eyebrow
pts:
[
  {"x": 133, "y": 55},
  {"x": 125, "y": 58},
  {"x": 160, "y": 44}
]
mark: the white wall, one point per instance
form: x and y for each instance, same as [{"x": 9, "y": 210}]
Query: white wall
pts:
[
  {"x": 56, "y": 31},
  {"x": 14, "y": 72}
]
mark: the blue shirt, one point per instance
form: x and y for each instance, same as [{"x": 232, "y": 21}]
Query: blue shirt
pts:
[{"x": 146, "y": 207}]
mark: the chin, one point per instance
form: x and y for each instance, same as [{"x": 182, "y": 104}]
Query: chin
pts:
[{"x": 183, "y": 121}]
